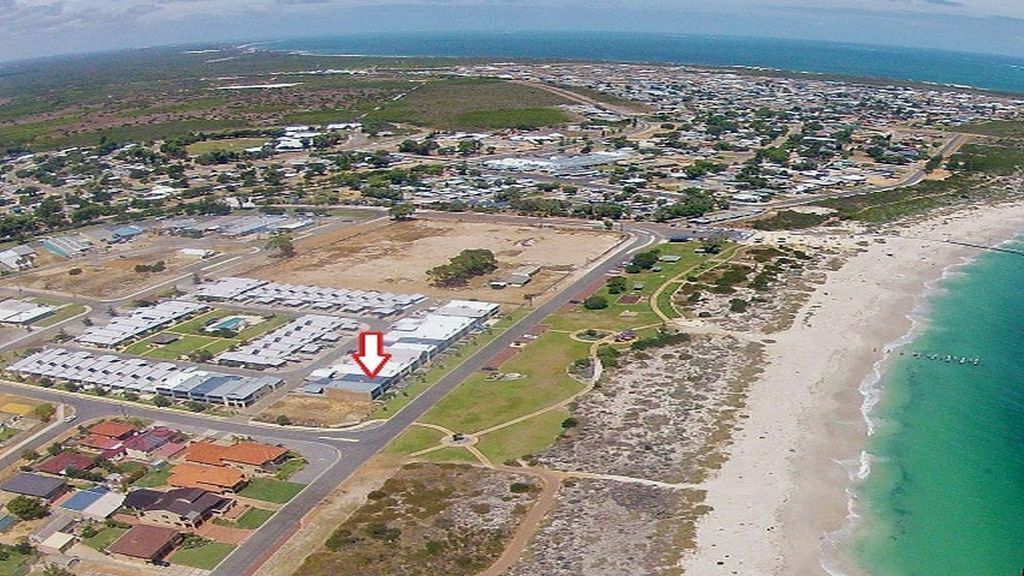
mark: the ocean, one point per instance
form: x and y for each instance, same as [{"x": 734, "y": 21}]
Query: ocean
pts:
[
  {"x": 945, "y": 492},
  {"x": 986, "y": 71}
]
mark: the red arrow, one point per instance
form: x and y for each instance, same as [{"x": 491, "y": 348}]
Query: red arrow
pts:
[{"x": 371, "y": 357}]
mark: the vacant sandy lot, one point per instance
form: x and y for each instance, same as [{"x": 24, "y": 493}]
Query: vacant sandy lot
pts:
[
  {"x": 395, "y": 256},
  {"x": 108, "y": 272},
  {"x": 307, "y": 411}
]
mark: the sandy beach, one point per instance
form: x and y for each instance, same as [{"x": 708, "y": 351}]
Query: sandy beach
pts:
[{"x": 782, "y": 498}]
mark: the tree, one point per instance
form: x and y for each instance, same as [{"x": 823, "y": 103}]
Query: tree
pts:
[
  {"x": 616, "y": 285},
  {"x": 401, "y": 212},
  {"x": 595, "y": 303},
  {"x": 55, "y": 570},
  {"x": 468, "y": 264},
  {"x": 44, "y": 412},
  {"x": 27, "y": 508},
  {"x": 283, "y": 420},
  {"x": 161, "y": 402},
  {"x": 282, "y": 244}
]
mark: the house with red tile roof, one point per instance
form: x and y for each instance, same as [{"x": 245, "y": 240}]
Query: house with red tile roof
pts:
[
  {"x": 217, "y": 479},
  {"x": 142, "y": 542},
  {"x": 141, "y": 446},
  {"x": 113, "y": 429},
  {"x": 109, "y": 448},
  {"x": 60, "y": 464},
  {"x": 251, "y": 458}
]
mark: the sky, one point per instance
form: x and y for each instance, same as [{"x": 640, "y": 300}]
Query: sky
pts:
[{"x": 34, "y": 28}]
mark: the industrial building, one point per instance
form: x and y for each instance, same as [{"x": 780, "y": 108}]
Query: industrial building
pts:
[
  {"x": 139, "y": 322},
  {"x": 23, "y": 312},
  {"x": 67, "y": 246},
  {"x": 265, "y": 293},
  {"x": 144, "y": 377},
  {"x": 19, "y": 258},
  {"x": 412, "y": 342}
]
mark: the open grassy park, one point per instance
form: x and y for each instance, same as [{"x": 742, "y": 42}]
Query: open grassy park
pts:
[
  {"x": 520, "y": 409},
  {"x": 224, "y": 145}
]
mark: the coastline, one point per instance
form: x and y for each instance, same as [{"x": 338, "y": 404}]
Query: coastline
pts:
[{"x": 782, "y": 503}]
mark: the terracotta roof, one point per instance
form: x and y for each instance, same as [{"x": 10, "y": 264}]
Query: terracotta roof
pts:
[
  {"x": 205, "y": 453},
  {"x": 100, "y": 442},
  {"x": 66, "y": 460},
  {"x": 112, "y": 429},
  {"x": 199, "y": 476},
  {"x": 253, "y": 453},
  {"x": 142, "y": 541}
]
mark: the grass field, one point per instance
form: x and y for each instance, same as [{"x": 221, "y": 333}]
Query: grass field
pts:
[
  {"x": 270, "y": 490},
  {"x": 524, "y": 438},
  {"x": 466, "y": 103},
  {"x": 414, "y": 439},
  {"x": 226, "y": 145},
  {"x": 139, "y": 133},
  {"x": 289, "y": 468},
  {"x": 62, "y": 314},
  {"x": 478, "y": 403},
  {"x": 204, "y": 557},
  {"x": 450, "y": 455},
  {"x": 1002, "y": 128},
  {"x": 251, "y": 519},
  {"x": 105, "y": 537}
]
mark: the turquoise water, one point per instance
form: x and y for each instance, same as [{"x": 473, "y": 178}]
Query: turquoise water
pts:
[
  {"x": 946, "y": 491},
  {"x": 970, "y": 69}
]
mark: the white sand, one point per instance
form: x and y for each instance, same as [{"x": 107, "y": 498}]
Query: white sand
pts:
[{"x": 785, "y": 485}]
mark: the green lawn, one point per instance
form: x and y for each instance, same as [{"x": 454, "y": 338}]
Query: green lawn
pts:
[
  {"x": 105, "y": 537},
  {"x": 62, "y": 314},
  {"x": 415, "y": 386},
  {"x": 414, "y": 439},
  {"x": 183, "y": 347},
  {"x": 204, "y": 557},
  {"x": 520, "y": 118},
  {"x": 290, "y": 467},
  {"x": 193, "y": 338},
  {"x": 478, "y": 403},
  {"x": 271, "y": 490},
  {"x": 616, "y": 316},
  {"x": 253, "y": 518},
  {"x": 526, "y": 437},
  {"x": 14, "y": 564},
  {"x": 225, "y": 145},
  {"x": 451, "y": 454},
  {"x": 457, "y": 103},
  {"x": 155, "y": 478}
]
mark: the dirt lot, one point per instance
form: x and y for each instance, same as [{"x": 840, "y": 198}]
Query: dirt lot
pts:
[
  {"x": 110, "y": 272},
  {"x": 305, "y": 411},
  {"x": 395, "y": 256}
]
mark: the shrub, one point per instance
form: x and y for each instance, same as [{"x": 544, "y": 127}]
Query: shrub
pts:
[
  {"x": 595, "y": 303},
  {"x": 74, "y": 271},
  {"x": 569, "y": 422}
]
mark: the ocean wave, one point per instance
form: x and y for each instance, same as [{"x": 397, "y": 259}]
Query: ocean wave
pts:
[{"x": 871, "y": 388}]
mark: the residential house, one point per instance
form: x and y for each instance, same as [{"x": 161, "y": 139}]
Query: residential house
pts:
[
  {"x": 250, "y": 458},
  {"x": 184, "y": 507},
  {"x": 61, "y": 464},
  {"x": 142, "y": 446},
  {"x": 142, "y": 542},
  {"x": 35, "y": 485},
  {"x": 216, "y": 479},
  {"x": 109, "y": 448},
  {"x": 113, "y": 429}
]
